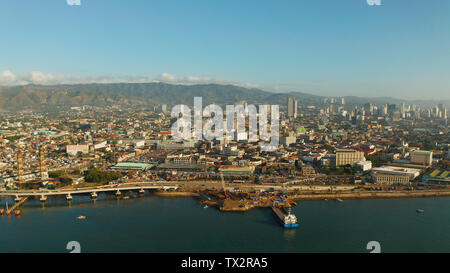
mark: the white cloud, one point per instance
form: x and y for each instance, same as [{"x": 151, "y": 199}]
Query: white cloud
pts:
[
  {"x": 166, "y": 77},
  {"x": 7, "y": 78}
]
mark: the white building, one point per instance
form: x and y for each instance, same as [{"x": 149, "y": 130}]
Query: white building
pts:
[
  {"x": 138, "y": 143},
  {"x": 394, "y": 175},
  {"x": 100, "y": 145},
  {"x": 74, "y": 149},
  {"x": 363, "y": 165}
]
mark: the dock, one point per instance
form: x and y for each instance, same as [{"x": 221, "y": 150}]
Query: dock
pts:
[{"x": 17, "y": 204}]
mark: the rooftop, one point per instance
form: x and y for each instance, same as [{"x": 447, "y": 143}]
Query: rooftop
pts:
[
  {"x": 132, "y": 166},
  {"x": 399, "y": 170}
]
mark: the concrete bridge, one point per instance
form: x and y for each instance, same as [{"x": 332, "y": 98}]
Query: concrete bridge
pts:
[{"x": 43, "y": 194}]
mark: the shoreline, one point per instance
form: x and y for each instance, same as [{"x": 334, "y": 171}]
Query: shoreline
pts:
[
  {"x": 229, "y": 205},
  {"x": 176, "y": 194},
  {"x": 369, "y": 195}
]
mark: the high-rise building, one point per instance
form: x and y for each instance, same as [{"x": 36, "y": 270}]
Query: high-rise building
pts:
[{"x": 292, "y": 107}]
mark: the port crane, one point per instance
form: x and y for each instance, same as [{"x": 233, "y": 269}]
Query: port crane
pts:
[{"x": 223, "y": 186}]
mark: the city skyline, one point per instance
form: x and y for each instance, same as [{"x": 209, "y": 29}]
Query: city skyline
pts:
[{"x": 344, "y": 48}]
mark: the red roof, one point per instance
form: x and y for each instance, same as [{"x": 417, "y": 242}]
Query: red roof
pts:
[{"x": 163, "y": 133}]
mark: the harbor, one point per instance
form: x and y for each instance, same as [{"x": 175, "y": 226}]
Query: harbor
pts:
[
  {"x": 217, "y": 195},
  {"x": 181, "y": 225}
]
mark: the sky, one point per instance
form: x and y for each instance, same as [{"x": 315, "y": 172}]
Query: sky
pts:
[{"x": 324, "y": 47}]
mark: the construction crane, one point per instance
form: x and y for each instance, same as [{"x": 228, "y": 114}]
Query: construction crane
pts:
[
  {"x": 223, "y": 186},
  {"x": 20, "y": 152}
]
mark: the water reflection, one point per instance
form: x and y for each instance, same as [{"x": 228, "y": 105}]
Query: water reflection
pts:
[{"x": 289, "y": 234}]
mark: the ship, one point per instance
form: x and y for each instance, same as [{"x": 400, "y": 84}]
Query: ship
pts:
[{"x": 286, "y": 218}]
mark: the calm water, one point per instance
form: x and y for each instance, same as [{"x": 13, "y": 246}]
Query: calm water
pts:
[{"x": 155, "y": 224}]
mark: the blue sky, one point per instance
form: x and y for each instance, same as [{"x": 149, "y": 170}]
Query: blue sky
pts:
[{"x": 325, "y": 47}]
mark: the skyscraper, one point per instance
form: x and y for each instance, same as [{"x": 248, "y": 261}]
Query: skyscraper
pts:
[{"x": 292, "y": 107}]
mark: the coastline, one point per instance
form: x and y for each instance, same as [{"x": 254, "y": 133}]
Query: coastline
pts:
[
  {"x": 175, "y": 194},
  {"x": 369, "y": 195},
  {"x": 242, "y": 206}
]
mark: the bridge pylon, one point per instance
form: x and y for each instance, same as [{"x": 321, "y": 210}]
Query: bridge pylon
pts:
[
  {"x": 94, "y": 195},
  {"x": 17, "y": 199}
]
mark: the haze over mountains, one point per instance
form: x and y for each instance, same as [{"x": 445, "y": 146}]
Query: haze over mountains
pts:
[{"x": 128, "y": 94}]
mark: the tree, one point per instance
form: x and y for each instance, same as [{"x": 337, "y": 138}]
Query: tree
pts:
[
  {"x": 97, "y": 176},
  {"x": 55, "y": 174}
]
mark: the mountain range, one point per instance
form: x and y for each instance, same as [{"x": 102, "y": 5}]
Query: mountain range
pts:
[{"x": 129, "y": 94}]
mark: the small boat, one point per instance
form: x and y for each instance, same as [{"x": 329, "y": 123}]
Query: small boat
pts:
[
  {"x": 2, "y": 211},
  {"x": 339, "y": 200},
  {"x": 420, "y": 210},
  {"x": 126, "y": 197},
  {"x": 17, "y": 212},
  {"x": 81, "y": 217},
  {"x": 205, "y": 207}
]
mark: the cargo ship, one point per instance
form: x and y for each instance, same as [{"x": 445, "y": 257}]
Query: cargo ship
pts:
[{"x": 286, "y": 218}]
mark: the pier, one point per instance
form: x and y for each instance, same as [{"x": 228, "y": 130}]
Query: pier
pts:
[{"x": 17, "y": 204}]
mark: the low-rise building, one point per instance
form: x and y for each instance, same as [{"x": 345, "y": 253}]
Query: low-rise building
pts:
[
  {"x": 237, "y": 170},
  {"x": 348, "y": 157},
  {"x": 422, "y": 157},
  {"x": 74, "y": 149},
  {"x": 440, "y": 177},
  {"x": 394, "y": 175},
  {"x": 363, "y": 165}
]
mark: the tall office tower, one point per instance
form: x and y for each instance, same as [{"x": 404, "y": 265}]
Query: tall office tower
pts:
[
  {"x": 343, "y": 101},
  {"x": 331, "y": 108},
  {"x": 292, "y": 107},
  {"x": 385, "y": 110},
  {"x": 403, "y": 110},
  {"x": 20, "y": 167},
  {"x": 368, "y": 107}
]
